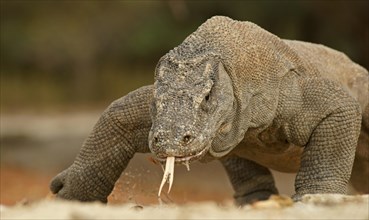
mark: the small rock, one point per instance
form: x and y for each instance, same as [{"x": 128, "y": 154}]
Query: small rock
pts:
[
  {"x": 274, "y": 201},
  {"x": 137, "y": 207}
]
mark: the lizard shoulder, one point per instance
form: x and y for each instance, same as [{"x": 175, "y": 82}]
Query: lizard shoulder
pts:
[{"x": 310, "y": 101}]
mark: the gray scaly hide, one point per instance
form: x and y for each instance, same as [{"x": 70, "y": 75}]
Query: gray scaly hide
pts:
[{"x": 233, "y": 91}]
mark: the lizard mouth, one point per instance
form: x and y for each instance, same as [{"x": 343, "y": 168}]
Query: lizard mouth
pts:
[{"x": 184, "y": 159}]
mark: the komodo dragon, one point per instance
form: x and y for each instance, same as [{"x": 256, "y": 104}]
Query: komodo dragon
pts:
[{"x": 235, "y": 92}]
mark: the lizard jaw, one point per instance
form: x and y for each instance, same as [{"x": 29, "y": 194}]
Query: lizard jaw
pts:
[{"x": 185, "y": 159}]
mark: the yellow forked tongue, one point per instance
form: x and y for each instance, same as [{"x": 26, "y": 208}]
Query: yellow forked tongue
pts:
[{"x": 168, "y": 174}]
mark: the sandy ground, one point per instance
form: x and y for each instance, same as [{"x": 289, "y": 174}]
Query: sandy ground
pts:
[
  {"x": 34, "y": 148},
  {"x": 312, "y": 207}
]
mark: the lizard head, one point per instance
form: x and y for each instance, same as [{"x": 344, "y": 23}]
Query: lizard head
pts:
[{"x": 192, "y": 100}]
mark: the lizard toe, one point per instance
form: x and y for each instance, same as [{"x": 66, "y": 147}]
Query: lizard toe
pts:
[{"x": 57, "y": 183}]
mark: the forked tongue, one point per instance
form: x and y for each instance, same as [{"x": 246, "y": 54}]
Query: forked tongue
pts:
[
  {"x": 168, "y": 174},
  {"x": 187, "y": 165}
]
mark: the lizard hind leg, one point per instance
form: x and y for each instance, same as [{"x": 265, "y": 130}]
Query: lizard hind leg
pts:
[{"x": 251, "y": 181}]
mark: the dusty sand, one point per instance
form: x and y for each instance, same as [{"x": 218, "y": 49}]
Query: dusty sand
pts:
[
  {"x": 312, "y": 207},
  {"x": 35, "y": 148}
]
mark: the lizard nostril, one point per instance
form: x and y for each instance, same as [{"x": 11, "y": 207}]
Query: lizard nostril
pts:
[
  {"x": 187, "y": 139},
  {"x": 156, "y": 142}
]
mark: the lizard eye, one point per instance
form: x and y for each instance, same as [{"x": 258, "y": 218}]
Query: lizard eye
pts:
[
  {"x": 206, "y": 104},
  {"x": 207, "y": 97}
]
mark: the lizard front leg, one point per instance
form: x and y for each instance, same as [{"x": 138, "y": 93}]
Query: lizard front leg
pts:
[
  {"x": 328, "y": 156},
  {"x": 121, "y": 131},
  {"x": 360, "y": 171},
  {"x": 251, "y": 181}
]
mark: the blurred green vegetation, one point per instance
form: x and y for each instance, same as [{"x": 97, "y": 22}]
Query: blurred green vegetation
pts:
[{"x": 69, "y": 55}]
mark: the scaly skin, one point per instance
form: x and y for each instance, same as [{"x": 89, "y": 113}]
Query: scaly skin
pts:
[
  {"x": 235, "y": 92},
  {"x": 108, "y": 149}
]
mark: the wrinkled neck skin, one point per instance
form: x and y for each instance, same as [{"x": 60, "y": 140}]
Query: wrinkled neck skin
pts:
[
  {"x": 252, "y": 109},
  {"x": 223, "y": 140},
  {"x": 229, "y": 135}
]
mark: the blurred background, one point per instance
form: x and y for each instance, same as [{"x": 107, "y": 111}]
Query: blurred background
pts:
[{"x": 63, "y": 62}]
